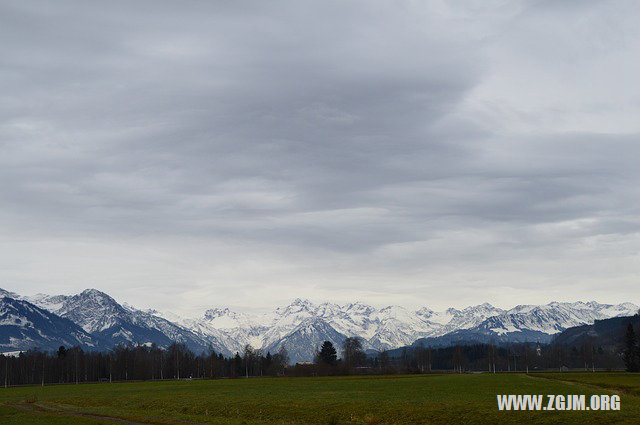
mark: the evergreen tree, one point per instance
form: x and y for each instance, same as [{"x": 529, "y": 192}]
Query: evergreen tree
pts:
[
  {"x": 383, "y": 360},
  {"x": 630, "y": 350},
  {"x": 328, "y": 354},
  {"x": 266, "y": 364}
]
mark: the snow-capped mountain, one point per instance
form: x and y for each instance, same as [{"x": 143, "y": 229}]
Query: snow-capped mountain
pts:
[
  {"x": 24, "y": 325},
  {"x": 303, "y": 341},
  {"x": 302, "y": 325},
  {"x": 103, "y": 317},
  {"x": 531, "y": 323},
  {"x": 466, "y": 318}
]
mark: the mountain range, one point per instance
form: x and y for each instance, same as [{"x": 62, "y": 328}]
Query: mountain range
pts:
[{"x": 94, "y": 320}]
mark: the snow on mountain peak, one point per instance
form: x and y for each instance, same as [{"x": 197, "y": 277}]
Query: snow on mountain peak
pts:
[
  {"x": 298, "y": 306},
  {"x": 94, "y": 293},
  {"x": 306, "y": 323},
  {"x": 394, "y": 311},
  {"x": 359, "y": 308},
  {"x": 214, "y": 313},
  {"x": 9, "y": 294},
  {"x": 425, "y": 312},
  {"x": 303, "y": 304},
  {"x": 224, "y": 318}
]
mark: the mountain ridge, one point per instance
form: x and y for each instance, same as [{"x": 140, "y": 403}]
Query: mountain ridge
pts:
[
  {"x": 302, "y": 324},
  {"x": 24, "y": 326}
]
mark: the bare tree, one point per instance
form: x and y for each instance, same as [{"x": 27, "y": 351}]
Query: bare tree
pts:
[{"x": 352, "y": 353}]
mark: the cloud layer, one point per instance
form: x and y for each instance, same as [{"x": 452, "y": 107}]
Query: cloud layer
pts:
[{"x": 245, "y": 153}]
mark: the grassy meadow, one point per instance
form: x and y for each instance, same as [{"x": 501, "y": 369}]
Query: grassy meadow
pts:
[{"x": 408, "y": 399}]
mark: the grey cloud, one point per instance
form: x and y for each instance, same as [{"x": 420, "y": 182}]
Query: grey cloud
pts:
[{"x": 333, "y": 139}]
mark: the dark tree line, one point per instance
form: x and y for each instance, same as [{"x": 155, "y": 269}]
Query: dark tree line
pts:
[
  {"x": 631, "y": 354},
  {"x": 589, "y": 355},
  {"x": 128, "y": 363}
]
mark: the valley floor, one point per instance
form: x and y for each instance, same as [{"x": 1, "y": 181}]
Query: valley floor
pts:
[{"x": 465, "y": 398}]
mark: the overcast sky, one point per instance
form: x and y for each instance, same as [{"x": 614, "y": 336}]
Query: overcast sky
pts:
[{"x": 191, "y": 154}]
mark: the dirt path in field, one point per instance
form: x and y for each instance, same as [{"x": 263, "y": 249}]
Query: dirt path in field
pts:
[
  {"x": 616, "y": 390},
  {"x": 48, "y": 410}
]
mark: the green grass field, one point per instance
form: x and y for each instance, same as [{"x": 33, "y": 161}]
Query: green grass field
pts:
[{"x": 466, "y": 398}]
